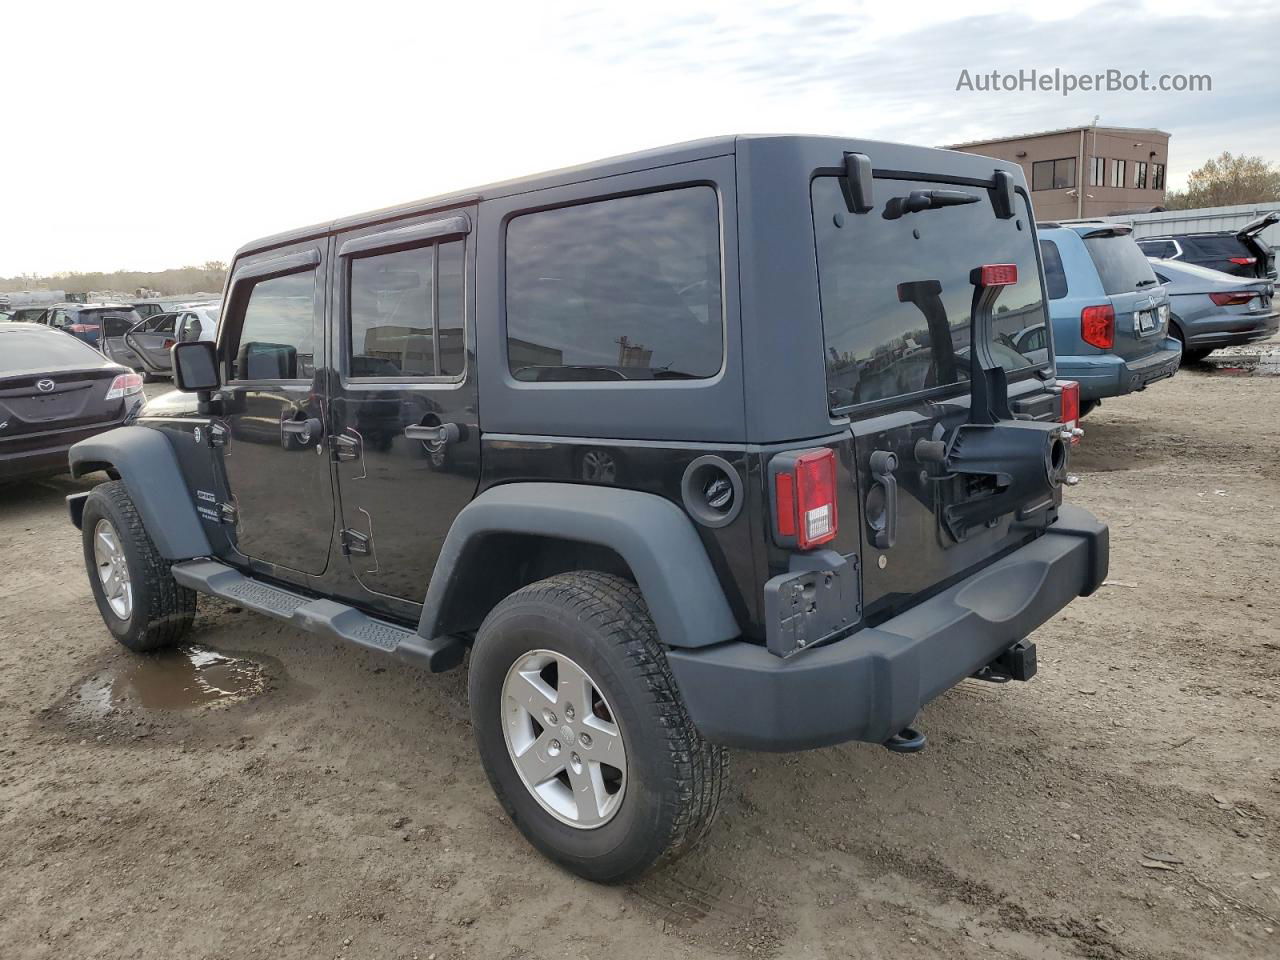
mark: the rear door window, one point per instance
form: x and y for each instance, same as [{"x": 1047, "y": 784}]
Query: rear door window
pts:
[
  {"x": 1054, "y": 274},
  {"x": 896, "y": 291},
  {"x": 1121, "y": 265},
  {"x": 617, "y": 290},
  {"x": 1164, "y": 249}
]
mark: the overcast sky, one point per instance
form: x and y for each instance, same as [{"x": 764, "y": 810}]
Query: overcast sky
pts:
[{"x": 148, "y": 136}]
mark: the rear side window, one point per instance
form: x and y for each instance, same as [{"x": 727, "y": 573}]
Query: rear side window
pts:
[
  {"x": 407, "y": 313},
  {"x": 1164, "y": 249},
  {"x": 40, "y": 350},
  {"x": 277, "y": 334},
  {"x": 896, "y": 292},
  {"x": 1054, "y": 274},
  {"x": 1122, "y": 267},
  {"x": 1225, "y": 247},
  {"x": 616, "y": 290}
]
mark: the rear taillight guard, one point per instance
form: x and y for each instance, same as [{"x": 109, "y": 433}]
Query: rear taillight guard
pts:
[
  {"x": 125, "y": 385},
  {"x": 803, "y": 487}
]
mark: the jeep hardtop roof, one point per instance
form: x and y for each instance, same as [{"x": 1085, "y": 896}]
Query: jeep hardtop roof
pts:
[{"x": 884, "y": 157}]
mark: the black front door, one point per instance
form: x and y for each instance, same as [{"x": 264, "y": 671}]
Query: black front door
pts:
[
  {"x": 270, "y": 435},
  {"x": 403, "y": 416}
]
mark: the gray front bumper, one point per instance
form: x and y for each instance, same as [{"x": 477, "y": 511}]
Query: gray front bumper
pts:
[{"x": 873, "y": 683}]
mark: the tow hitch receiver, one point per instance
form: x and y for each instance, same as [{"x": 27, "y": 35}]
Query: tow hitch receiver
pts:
[{"x": 1016, "y": 663}]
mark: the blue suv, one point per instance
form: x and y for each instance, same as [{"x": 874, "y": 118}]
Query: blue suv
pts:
[{"x": 1110, "y": 314}]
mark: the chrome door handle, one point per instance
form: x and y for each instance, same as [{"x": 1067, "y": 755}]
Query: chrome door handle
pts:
[
  {"x": 304, "y": 430},
  {"x": 444, "y": 433}
]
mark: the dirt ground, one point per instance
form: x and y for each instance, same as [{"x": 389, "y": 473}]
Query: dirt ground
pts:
[{"x": 1124, "y": 804}]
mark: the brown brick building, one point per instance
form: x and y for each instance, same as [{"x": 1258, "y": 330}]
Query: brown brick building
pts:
[{"x": 1086, "y": 171}]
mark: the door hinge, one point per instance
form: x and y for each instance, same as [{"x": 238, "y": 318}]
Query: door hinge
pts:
[
  {"x": 228, "y": 512},
  {"x": 354, "y": 542},
  {"x": 217, "y": 435},
  {"x": 344, "y": 447}
]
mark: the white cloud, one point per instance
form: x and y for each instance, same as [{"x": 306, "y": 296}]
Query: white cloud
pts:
[{"x": 150, "y": 135}]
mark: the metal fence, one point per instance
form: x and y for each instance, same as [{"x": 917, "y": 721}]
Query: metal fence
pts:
[{"x": 1204, "y": 220}]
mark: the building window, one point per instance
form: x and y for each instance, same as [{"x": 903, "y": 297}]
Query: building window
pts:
[
  {"x": 1140, "y": 175},
  {"x": 1117, "y": 173},
  {"x": 1157, "y": 176},
  {"x": 1097, "y": 172},
  {"x": 1053, "y": 174}
]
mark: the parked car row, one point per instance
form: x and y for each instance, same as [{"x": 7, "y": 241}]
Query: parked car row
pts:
[{"x": 1124, "y": 318}]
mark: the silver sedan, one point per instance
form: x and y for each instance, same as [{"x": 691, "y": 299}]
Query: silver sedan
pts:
[{"x": 1211, "y": 309}]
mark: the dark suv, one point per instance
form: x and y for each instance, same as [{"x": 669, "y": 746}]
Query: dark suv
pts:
[
  {"x": 84, "y": 320},
  {"x": 724, "y": 444},
  {"x": 1243, "y": 252}
]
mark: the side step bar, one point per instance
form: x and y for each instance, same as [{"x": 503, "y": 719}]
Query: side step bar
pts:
[{"x": 319, "y": 616}]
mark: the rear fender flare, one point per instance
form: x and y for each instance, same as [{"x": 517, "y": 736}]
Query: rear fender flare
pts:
[
  {"x": 147, "y": 465},
  {"x": 652, "y": 535}
]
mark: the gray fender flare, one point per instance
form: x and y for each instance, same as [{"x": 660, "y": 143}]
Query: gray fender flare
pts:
[
  {"x": 654, "y": 536},
  {"x": 149, "y": 468}
]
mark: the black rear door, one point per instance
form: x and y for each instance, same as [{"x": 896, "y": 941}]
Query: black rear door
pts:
[
  {"x": 896, "y": 304},
  {"x": 404, "y": 420}
]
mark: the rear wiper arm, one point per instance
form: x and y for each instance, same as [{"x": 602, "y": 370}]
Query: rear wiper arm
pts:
[
  {"x": 918, "y": 200},
  {"x": 1143, "y": 283}
]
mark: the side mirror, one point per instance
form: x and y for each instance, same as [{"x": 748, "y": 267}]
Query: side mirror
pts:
[{"x": 195, "y": 366}]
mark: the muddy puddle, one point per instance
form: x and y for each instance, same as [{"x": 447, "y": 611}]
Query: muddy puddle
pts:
[{"x": 185, "y": 678}]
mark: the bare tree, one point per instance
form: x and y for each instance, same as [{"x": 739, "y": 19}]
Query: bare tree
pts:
[{"x": 1228, "y": 179}]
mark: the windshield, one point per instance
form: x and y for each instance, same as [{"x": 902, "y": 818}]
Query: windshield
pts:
[
  {"x": 896, "y": 295},
  {"x": 1122, "y": 265}
]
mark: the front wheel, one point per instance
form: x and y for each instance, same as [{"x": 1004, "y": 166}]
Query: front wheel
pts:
[
  {"x": 582, "y": 731},
  {"x": 140, "y": 602}
]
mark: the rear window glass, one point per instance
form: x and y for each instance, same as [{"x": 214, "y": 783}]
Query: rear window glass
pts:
[
  {"x": 44, "y": 349},
  {"x": 1121, "y": 265},
  {"x": 1055, "y": 277},
  {"x": 619, "y": 289},
  {"x": 896, "y": 306}
]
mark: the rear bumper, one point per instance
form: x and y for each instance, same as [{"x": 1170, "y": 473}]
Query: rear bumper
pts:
[
  {"x": 1110, "y": 376},
  {"x": 47, "y": 454},
  {"x": 872, "y": 684},
  {"x": 1231, "y": 329}
]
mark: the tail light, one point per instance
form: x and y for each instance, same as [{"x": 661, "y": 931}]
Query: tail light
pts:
[
  {"x": 169, "y": 343},
  {"x": 124, "y": 385},
  {"x": 83, "y": 328},
  {"x": 1233, "y": 299},
  {"x": 804, "y": 497},
  {"x": 1244, "y": 261},
  {"x": 1070, "y": 415},
  {"x": 1098, "y": 326}
]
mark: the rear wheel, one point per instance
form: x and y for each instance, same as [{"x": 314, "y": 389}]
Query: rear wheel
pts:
[
  {"x": 582, "y": 731},
  {"x": 1087, "y": 407},
  {"x": 140, "y": 602},
  {"x": 1195, "y": 356}
]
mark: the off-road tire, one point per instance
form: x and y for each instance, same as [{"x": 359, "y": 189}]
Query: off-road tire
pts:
[
  {"x": 1196, "y": 355},
  {"x": 674, "y": 778},
  {"x": 163, "y": 609}
]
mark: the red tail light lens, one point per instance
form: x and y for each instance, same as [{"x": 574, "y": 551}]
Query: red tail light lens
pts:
[
  {"x": 169, "y": 343},
  {"x": 83, "y": 328},
  {"x": 124, "y": 385},
  {"x": 804, "y": 493},
  {"x": 1098, "y": 326},
  {"x": 1244, "y": 261},
  {"x": 1070, "y": 415},
  {"x": 1233, "y": 299},
  {"x": 999, "y": 274}
]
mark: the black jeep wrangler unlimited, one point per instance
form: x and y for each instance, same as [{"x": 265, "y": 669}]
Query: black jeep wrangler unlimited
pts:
[{"x": 722, "y": 444}]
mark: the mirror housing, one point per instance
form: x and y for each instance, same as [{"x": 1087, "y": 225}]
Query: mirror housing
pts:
[{"x": 195, "y": 366}]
